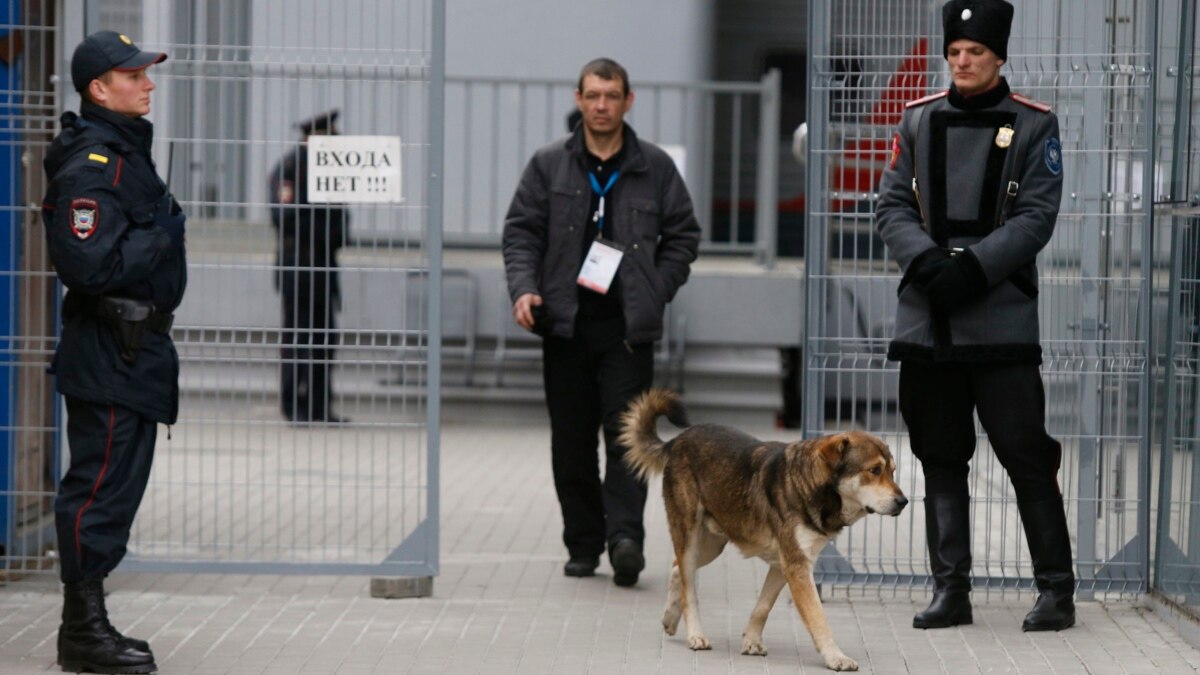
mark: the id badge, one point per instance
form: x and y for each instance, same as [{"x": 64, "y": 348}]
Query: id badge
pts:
[{"x": 600, "y": 266}]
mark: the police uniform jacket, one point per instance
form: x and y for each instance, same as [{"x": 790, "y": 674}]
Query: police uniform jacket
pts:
[
  {"x": 983, "y": 175},
  {"x": 310, "y": 235},
  {"x": 652, "y": 219},
  {"x": 101, "y": 215}
]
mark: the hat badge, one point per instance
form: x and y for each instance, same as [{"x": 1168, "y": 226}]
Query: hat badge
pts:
[
  {"x": 126, "y": 39},
  {"x": 966, "y": 15}
]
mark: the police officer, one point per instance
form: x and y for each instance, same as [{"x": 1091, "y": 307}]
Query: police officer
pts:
[
  {"x": 309, "y": 238},
  {"x": 115, "y": 236},
  {"x": 969, "y": 198}
]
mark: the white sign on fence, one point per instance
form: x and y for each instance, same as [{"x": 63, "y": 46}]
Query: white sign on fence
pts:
[{"x": 354, "y": 169}]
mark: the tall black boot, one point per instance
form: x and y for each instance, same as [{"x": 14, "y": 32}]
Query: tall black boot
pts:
[
  {"x": 1050, "y": 550},
  {"x": 948, "y": 532},
  {"x": 88, "y": 642},
  {"x": 140, "y": 645}
]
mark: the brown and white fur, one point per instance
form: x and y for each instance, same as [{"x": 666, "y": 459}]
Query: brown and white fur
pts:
[{"x": 781, "y": 502}]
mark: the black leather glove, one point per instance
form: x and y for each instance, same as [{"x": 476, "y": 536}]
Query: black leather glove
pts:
[
  {"x": 171, "y": 219},
  {"x": 959, "y": 282},
  {"x": 927, "y": 266}
]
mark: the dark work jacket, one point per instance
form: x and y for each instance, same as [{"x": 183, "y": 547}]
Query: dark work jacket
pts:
[
  {"x": 948, "y": 184},
  {"x": 653, "y": 220},
  {"x": 100, "y": 163},
  {"x": 309, "y": 234}
]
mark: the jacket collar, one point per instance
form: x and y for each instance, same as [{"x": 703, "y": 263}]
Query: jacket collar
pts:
[
  {"x": 634, "y": 162},
  {"x": 137, "y": 132},
  {"x": 988, "y": 99}
]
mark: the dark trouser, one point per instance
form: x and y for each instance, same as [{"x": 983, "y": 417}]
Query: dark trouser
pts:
[
  {"x": 307, "y": 353},
  {"x": 936, "y": 403},
  {"x": 590, "y": 379},
  {"x": 111, "y": 452}
]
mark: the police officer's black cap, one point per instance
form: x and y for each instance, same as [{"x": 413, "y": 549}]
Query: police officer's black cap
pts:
[
  {"x": 107, "y": 50},
  {"x": 987, "y": 22},
  {"x": 322, "y": 123}
]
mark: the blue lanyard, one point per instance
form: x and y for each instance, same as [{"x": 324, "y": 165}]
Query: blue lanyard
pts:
[{"x": 598, "y": 217}]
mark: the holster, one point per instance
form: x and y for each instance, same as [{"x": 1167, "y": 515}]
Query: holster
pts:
[{"x": 128, "y": 319}]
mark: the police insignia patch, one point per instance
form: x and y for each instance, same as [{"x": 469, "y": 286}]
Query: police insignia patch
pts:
[
  {"x": 1053, "y": 156},
  {"x": 85, "y": 217},
  {"x": 895, "y": 151}
]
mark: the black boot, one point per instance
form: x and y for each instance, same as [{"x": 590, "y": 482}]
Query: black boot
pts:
[
  {"x": 88, "y": 642},
  {"x": 1050, "y": 550},
  {"x": 948, "y": 532}
]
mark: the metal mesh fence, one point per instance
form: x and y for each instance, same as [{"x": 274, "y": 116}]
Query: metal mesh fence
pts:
[{"x": 242, "y": 483}]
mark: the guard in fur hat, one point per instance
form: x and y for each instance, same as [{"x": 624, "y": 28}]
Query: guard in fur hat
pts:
[{"x": 968, "y": 199}]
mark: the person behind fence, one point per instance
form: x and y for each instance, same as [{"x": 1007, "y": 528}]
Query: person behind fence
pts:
[
  {"x": 598, "y": 238},
  {"x": 116, "y": 239},
  {"x": 307, "y": 279},
  {"x": 969, "y": 197}
]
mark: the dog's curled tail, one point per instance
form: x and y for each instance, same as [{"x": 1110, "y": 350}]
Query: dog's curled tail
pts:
[{"x": 647, "y": 454}]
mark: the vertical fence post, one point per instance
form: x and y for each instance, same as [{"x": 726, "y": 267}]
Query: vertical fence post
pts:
[
  {"x": 433, "y": 228},
  {"x": 767, "y": 199},
  {"x": 815, "y": 175},
  {"x": 1145, "y": 315}
]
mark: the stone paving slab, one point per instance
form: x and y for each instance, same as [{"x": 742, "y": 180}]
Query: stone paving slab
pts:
[{"x": 501, "y": 605}]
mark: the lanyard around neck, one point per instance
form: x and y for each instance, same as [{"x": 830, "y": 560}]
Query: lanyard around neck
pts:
[{"x": 598, "y": 217}]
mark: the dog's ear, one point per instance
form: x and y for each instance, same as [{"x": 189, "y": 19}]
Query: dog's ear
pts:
[{"x": 833, "y": 451}]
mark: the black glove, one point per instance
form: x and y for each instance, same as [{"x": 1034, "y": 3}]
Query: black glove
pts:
[
  {"x": 927, "y": 266},
  {"x": 171, "y": 219},
  {"x": 959, "y": 282}
]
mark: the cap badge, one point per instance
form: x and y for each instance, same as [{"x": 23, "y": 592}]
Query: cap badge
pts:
[
  {"x": 126, "y": 40},
  {"x": 966, "y": 15},
  {"x": 1004, "y": 136}
]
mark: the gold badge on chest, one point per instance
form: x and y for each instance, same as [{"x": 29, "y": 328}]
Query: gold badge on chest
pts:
[{"x": 1004, "y": 136}]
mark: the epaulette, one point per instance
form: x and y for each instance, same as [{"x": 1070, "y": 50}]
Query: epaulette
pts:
[
  {"x": 927, "y": 99},
  {"x": 1036, "y": 105}
]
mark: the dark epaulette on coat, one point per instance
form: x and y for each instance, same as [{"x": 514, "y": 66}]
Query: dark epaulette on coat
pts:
[
  {"x": 927, "y": 99},
  {"x": 1024, "y": 100}
]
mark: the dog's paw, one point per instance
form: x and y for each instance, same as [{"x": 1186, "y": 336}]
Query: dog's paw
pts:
[
  {"x": 839, "y": 661},
  {"x": 753, "y": 646},
  {"x": 698, "y": 643},
  {"x": 670, "y": 621}
]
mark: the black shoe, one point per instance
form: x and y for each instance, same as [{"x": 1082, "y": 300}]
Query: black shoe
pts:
[
  {"x": 581, "y": 566},
  {"x": 1050, "y": 612},
  {"x": 87, "y": 642},
  {"x": 949, "y": 608},
  {"x": 627, "y": 561},
  {"x": 948, "y": 535},
  {"x": 1045, "y": 524}
]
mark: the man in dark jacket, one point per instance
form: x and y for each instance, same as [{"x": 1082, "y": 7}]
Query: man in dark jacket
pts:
[
  {"x": 969, "y": 198},
  {"x": 599, "y": 237},
  {"x": 115, "y": 236},
  {"x": 309, "y": 238}
]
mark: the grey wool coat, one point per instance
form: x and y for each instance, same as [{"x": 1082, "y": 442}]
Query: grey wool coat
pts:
[{"x": 984, "y": 175}]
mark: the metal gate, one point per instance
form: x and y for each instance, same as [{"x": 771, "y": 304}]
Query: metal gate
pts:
[
  {"x": 235, "y": 486},
  {"x": 1092, "y": 62}
]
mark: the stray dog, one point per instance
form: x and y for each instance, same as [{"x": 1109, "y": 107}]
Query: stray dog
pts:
[{"x": 781, "y": 502}]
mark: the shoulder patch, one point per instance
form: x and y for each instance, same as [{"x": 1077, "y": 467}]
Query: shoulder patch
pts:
[
  {"x": 1025, "y": 100},
  {"x": 1053, "y": 156},
  {"x": 97, "y": 157},
  {"x": 85, "y": 217},
  {"x": 927, "y": 99}
]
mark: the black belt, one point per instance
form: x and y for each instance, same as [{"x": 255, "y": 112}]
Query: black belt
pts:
[{"x": 111, "y": 308}]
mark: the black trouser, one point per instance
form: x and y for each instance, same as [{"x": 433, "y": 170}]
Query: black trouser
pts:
[
  {"x": 111, "y": 452},
  {"x": 590, "y": 379},
  {"x": 937, "y": 402},
  {"x": 307, "y": 352}
]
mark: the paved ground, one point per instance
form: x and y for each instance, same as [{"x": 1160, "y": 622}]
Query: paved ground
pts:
[{"x": 501, "y": 605}]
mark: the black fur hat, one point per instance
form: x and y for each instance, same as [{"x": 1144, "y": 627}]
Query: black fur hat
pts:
[{"x": 987, "y": 22}]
